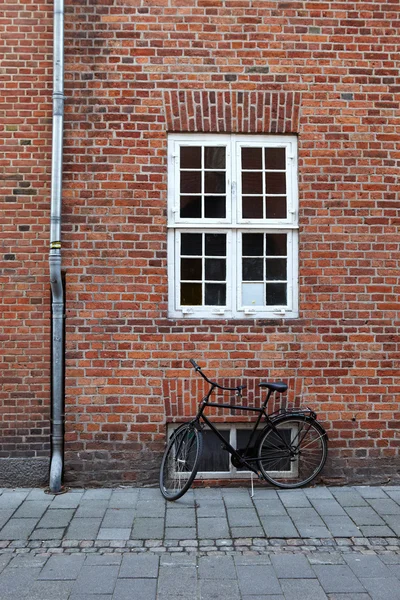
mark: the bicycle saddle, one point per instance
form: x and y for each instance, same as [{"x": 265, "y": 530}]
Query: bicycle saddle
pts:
[{"x": 278, "y": 386}]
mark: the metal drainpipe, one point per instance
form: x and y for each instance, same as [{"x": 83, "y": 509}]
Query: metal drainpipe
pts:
[{"x": 57, "y": 307}]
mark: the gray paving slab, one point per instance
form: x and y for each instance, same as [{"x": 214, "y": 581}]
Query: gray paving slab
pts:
[
  {"x": 5, "y": 515},
  {"x": 114, "y": 533},
  {"x": 49, "y": 590},
  {"x": 209, "y": 508},
  {"x": 234, "y": 498},
  {"x": 98, "y": 494},
  {"x": 96, "y": 580},
  {"x": 257, "y": 579},
  {"x": 279, "y": 527},
  {"x": 18, "y": 529},
  {"x": 376, "y": 531},
  {"x": 393, "y": 521},
  {"x": 5, "y": 560},
  {"x": 99, "y": 560},
  {"x": 132, "y": 589},
  {"x": 393, "y": 493},
  {"x": 325, "y": 558},
  {"x": 150, "y": 508},
  {"x": 180, "y": 533},
  {"x": 292, "y": 566},
  {"x": 139, "y": 566},
  {"x": 327, "y": 507},
  {"x": 369, "y": 491},
  {"x": 270, "y": 507},
  {"x": 124, "y": 498},
  {"x": 96, "y": 597},
  {"x": 364, "y": 515},
  {"x": 338, "y": 579},
  {"x": 92, "y": 509},
  {"x": 242, "y": 517},
  {"x": 60, "y": 517},
  {"x": 177, "y": 580},
  {"x": 31, "y": 509},
  {"x": 364, "y": 565},
  {"x": 83, "y": 529},
  {"x": 385, "y": 506},
  {"x": 341, "y": 526},
  {"x": 294, "y": 499},
  {"x": 223, "y": 589},
  {"x": 349, "y": 497},
  {"x": 380, "y": 588},
  {"x": 181, "y": 518},
  {"x": 212, "y": 528},
  {"x": 12, "y": 499},
  {"x": 321, "y": 492},
  {"x": 247, "y": 532},
  {"x": 306, "y": 589},
  {"x": 62, "y": 567},
  {"x": 118, "y": 517},
  {"x": 217, "y": 567},
  {"x": 47, "y": 534},
  {"x": 148, "y": 528},
  {"x": 68, "y": 500},
  {"x": 14, "y": 583}
]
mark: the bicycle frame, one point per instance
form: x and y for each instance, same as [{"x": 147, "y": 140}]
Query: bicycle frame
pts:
[{"x": 246, "y": 460}]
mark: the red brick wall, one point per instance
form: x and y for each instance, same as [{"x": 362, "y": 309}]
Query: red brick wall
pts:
[
  {"x": 140, "y": 68},
  {"x": 25, "y": 143}
]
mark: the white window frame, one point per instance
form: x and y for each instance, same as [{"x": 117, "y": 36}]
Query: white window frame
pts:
[
  {"x": 233, "y": 225},
  {"x": 233, "y": 472}
]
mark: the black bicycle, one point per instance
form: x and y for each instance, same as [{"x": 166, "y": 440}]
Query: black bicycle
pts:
[{"x": 289, "y": 452}]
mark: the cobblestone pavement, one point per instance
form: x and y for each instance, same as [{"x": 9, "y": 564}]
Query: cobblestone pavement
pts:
[{"x": 128, "y": 543}]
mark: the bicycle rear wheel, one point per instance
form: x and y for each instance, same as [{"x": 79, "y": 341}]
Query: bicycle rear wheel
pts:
[
  {"x": 293, "y": 451},
  {"x": 180, "y": 461}
]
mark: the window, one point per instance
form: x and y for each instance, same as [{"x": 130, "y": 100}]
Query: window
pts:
[
  {"x": 233, "y": 226},
  {"x": 215, "y": 463}
]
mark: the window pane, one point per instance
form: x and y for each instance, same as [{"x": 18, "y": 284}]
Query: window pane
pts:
[
  {"x": 253, "y": 269},
  {"x": 275, "y": 158},
  {"x": 214, "y": 158},
  {"x": 212, "y": 459},
  {"x": 276, "y": 293},
  {"x": 252, "y": 294},
  {"x": 191, "y": 294},
  {"x": 253, "y": 244},
  {"x": 191, "y": 244},
  {"x": 215, "y": 294},
  {"x": 191, "y": 269},
  {"x": 215, "y": 182},
  {"x": 275, "y": 268},
  {"x": 251, "y": 158},
  {"x": 215, "y": 269},
  {"x": 190, "y": 207},
  {"x": 215, "y": 207},
  {"x": 275, "y": 244},
  {"x": 190, "y": 182},
  {"x": 251, "y": 182},
  {"x": 275, "y": 183},
  {"x": 252, "y": 207},
  {"x": 215, "y": 244},
  {"x": 276, "y": 207},
  {"x": 190, "y": 157},
  {"x": 275, "y": 441}
]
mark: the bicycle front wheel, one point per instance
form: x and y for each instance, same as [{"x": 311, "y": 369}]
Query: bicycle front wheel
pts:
[
  {"x": 292, "y": 451},
  {"x": 180, "y": 461}
]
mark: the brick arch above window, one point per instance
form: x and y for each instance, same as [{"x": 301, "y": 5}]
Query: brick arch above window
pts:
[{"x": 232, "y": 111}]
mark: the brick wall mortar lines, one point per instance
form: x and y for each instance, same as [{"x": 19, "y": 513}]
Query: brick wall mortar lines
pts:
[{"x": 134, "y": 71}]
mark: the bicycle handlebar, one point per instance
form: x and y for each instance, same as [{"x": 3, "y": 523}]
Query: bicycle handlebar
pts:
[{"x": 197, "y": 368}]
